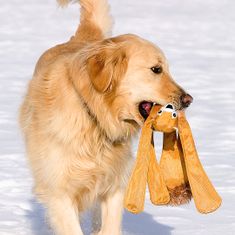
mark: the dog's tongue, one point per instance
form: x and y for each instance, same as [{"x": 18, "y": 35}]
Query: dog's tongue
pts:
[{"x": 147, "y": 107}]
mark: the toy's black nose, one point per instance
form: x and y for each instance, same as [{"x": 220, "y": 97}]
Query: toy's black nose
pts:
[
  {"x": 169, "y": 106},
  {"x": 186, "y": 100}
]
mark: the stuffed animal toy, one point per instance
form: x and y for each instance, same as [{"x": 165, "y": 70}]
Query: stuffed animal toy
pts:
[{"x": 179, "y": 175}]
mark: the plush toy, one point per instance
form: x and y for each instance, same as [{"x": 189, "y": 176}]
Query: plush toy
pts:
[{"x": 179, "y": 176}]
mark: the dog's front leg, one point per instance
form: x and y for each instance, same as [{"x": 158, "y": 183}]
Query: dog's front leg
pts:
[
  {"x": 63, "y": 216},
  {"x": 112, "y": 207}
]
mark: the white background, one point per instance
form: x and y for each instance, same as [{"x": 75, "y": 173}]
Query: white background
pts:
[{"x": 197, "y": 36}]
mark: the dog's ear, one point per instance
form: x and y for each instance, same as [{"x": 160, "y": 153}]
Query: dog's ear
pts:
[{"x": 106, "y": 66}]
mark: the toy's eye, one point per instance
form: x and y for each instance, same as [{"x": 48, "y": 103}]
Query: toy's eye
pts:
[
  {"x": 157, "y": 69},
  {"x": 174, "y": 115},
  {"x": 159, "y": 112}
]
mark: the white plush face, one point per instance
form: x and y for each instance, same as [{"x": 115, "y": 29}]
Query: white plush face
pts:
[{"x": 168, "y": 108}]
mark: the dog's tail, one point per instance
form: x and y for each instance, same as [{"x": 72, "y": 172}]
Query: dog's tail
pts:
[{"x": 95, "y": 19}]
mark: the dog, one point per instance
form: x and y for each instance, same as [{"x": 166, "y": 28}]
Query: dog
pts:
[{"x": 87, "y": 99}]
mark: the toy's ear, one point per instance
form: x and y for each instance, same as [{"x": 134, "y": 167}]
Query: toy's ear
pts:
[
  {"x": 158, "y": 191},
  {"x": 135, "y": 193},
  {"x": 107, "y": 65},
  {"x": 205, "y": 196}
]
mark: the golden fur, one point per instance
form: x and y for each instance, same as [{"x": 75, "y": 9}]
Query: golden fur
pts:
[{"x": 79, "y": 115}]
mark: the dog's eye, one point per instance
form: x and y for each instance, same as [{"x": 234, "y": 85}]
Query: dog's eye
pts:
[
  {"x": 160, "y": 112},
  {"x": 157, "y": 69}
]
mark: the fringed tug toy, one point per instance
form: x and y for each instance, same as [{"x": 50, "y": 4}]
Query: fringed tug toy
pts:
[{"x": 180, "y": 174}]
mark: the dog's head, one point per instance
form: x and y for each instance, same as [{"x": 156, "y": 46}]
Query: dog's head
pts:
[{"x": 125, "y": 76}]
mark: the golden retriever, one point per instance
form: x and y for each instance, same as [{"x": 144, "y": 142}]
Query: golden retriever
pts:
[{"x": 87, "y": 99}]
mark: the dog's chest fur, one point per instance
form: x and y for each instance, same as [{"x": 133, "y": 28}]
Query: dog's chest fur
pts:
[
  {"x": 88, "y": 165},
  {"x": 97, "y": 166}
]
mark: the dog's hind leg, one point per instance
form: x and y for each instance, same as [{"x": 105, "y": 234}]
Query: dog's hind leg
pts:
[
  {"x": 95, "y": 20},
  {"x": 63, "y": 216}
]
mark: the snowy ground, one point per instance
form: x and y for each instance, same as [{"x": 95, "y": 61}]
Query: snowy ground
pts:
[{"x": 197, "y": 36}]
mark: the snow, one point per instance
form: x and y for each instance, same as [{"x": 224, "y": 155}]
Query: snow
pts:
[{"x": 198, "y": 38}]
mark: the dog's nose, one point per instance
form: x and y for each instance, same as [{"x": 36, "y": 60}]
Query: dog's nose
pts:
[{"x": 186, "y": 100}]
